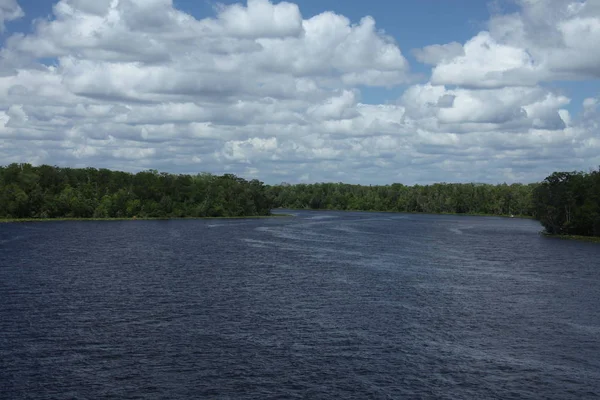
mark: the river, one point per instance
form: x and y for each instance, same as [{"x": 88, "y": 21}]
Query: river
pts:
[{"x": 321, "y": 305}]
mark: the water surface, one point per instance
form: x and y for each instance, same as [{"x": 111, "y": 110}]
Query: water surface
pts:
[{"x": 322, "y": 305}]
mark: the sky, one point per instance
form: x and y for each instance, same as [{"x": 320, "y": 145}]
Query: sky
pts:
[{"x": 369, "y": 92}]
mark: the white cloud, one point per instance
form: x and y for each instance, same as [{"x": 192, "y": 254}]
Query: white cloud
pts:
[
  {"x": 335, "y": 108},
  {"x": 262, "y": 19},
  {"x": 9, "y": 11},
  {"x": 260, "y": 90},
  {"x": 438, "y": 53},
  {"x": 487, "y": 64},
  {"x": 546, "y": 40},
  {"x": 463, "y": 110}
]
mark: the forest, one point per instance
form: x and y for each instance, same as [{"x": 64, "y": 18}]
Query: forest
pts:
[
  {"x": 468, "y": 198},
  {"x": 566, "y": 203},
  {"x": 52, "y": 192}
]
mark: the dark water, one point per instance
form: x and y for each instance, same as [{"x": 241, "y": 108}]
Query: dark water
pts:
[{"x": 323, "y": 305}]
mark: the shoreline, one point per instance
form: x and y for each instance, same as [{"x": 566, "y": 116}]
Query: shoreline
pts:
[
  {"x": 580, "y": 238},
  {"x": 412, "y": 212},
  {"x": 61, "y": 219}
]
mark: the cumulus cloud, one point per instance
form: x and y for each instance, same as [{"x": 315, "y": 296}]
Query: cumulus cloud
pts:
[
  {"x": 506, "y": 108},
  {"x": 546, "y": 40},
  {"x": 262, "y": 19},
  {"x": 261, "y": 91},
  {"x": 487, "y": 64}
]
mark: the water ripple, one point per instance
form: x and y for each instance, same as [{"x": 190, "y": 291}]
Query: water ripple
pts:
[{"x": 320, "y": 306}]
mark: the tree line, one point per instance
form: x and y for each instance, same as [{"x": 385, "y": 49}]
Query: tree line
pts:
[
  {"x": 568, "y": 203},
  {"x": 52, "y": 192},
  {"x": 515, "y": 199}
]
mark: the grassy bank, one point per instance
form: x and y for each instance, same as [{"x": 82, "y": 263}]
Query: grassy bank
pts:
[
  {"x": 12, "y": 220},
  {"x": 592, "y": 239}
]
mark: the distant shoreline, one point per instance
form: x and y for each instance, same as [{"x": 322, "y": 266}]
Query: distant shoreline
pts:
[
  {"x": 590, "y": 239},
  {"x": 411, "y": 212},
  {"x": 16, "y": 220}
]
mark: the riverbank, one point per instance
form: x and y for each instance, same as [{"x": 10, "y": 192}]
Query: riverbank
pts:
[
  {"x": 412, "y": 213},
  {"x": 14, "y": 220},
  {"x": 592, "y": 239}
]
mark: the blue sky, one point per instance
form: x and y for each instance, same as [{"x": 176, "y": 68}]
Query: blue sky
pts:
[{"x": 468, "y": 90}]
